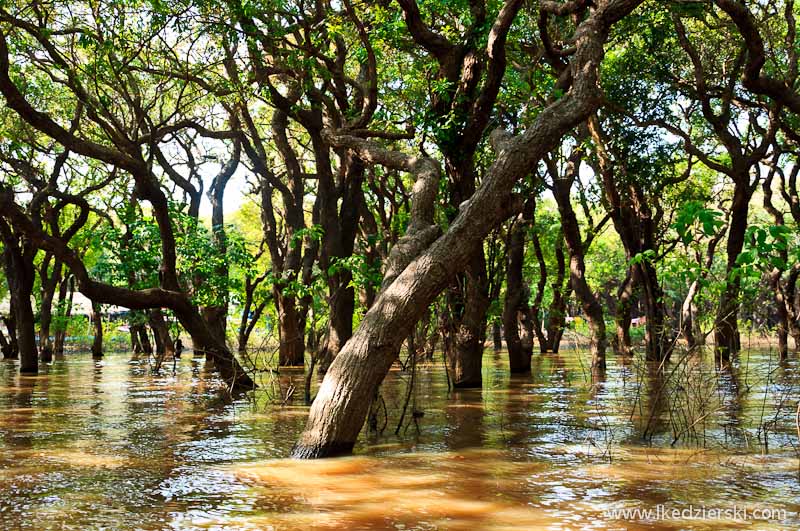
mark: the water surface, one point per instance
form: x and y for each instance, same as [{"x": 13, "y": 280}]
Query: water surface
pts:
[{"x": 107, "y": 445}]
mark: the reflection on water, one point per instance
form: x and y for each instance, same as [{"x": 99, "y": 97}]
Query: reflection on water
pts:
[{"x": 106, "y": 445}]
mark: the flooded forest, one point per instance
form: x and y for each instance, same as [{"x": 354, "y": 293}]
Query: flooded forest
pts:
[{"x": 403, "y": 264}]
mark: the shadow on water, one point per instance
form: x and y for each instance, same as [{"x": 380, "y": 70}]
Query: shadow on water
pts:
[{"x": 92, "y": 445}]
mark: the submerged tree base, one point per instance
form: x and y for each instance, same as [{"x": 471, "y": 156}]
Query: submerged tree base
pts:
[{"x": 302, "y": 451}]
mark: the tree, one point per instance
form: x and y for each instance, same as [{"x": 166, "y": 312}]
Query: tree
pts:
[
  {"x": 414, "y": 278},
  {"x": 107, "y": 137}
]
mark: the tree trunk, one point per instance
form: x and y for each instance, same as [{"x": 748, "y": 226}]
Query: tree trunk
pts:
[
  {"x": 497, "y": 335},
  {"x": 249, "y": 320},
  {"x": 66, "y": 292},
  {"x": 622, "y": 316},
  {"x": 19, "y": 270},
  {"x": 726, "y": 326},
  {"x": 217, "y": 319},
  {"x": 340, "y": 325},
  {"x": 792, "y": 300},
  {"x": 557, "y": 311},
  {"x": 136, "y": 344},
  {"x": 97, "y": 326},
  {"x": 340, "y": 211},
  {"x": 592, "y": 309},
  {"x": 217, "y": 315},
  {"x": 291, "y": 331},
  {"x": 658, "y": 341},
  {"x": 688, "y": 317},
  {"x": 10, "y": 345},
  {"x": 26, "y": 333},
  {"x": 517, "y": 292},
  {"x": 782, "y": 328},
  {"x": 6, "y": 348},
  {"x": 49, "y": 283},
  {"x": 536, "y": 307},
  {"x": 165, "y": 348},
  {"x": 144, "y": 339},
  {"x": 466, "y": 326}
]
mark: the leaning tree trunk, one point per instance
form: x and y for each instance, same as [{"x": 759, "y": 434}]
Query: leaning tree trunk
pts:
[
  {"x": 217, "y": 319},
  {"x": 592, "y": 309}
]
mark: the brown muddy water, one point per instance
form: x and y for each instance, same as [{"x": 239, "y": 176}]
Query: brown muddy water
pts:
[{"x": 107, "y": 445}]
